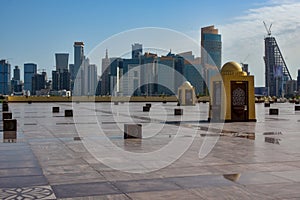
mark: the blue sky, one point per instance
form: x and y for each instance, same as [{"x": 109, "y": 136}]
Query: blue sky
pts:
[{"x": 33, "y": 30}]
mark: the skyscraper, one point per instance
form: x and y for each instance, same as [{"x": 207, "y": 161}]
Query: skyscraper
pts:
[
  {"x": 30, "y": 69},
  {"x": 137, "y": 50},
  {"x": 61, "y": 60},
  {"x": 211, "y": 54},
  {"x": 16, "y": 73},
  {"x": 78, "y": 57},
  {"x": 276, "y": 71},
  {"x": 105, "y": 74},
  {"x": 298, "y": 81},
  {"x": 211, "y": 43},
  {"x": 5, "y": 75},
  {"x": 55, "y": 81}
]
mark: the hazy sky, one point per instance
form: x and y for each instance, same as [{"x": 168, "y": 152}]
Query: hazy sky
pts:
[{"x": 34, "y": 30}]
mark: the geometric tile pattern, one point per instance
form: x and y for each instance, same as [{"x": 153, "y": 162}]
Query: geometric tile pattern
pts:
[{"x": 36, "y": 192}]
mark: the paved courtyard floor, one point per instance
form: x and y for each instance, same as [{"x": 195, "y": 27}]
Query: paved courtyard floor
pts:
[{"x": 179, "y": 157}]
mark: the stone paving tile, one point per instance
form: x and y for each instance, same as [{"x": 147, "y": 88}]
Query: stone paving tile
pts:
[
  {"x": 277, "y": 190},
  {"x": 145, "y": 185},
  {"x": 102, "y": 197},
  {"x": 177, "y": 194},
  {"x": 227, "y": 192},
  {"x": 22, "y": 181},
  {"x": 11, "y": 172},
  {"x": 84, "y": 190},
  {"x": 290, "y": 175},
  {"x": 188, "y": 182},
  {"x": 252, "y": 178}
]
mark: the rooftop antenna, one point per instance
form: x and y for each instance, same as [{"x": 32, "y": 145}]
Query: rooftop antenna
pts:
[{"x": 268, "y": 29}]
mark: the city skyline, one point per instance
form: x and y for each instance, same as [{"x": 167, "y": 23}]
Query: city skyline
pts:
[{"x": 55, "y": 31}]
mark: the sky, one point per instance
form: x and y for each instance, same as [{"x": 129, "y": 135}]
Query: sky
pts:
[{"x": 34, "y": 30}]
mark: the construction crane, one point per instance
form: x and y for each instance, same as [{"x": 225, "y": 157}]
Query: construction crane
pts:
[{"x": 268, "y": 29}]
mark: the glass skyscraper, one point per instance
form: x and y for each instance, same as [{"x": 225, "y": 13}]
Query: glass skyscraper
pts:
[
  {"x": 5, "y": 75},
  {"x": 30, "y": 69},
  {"x": 78, "y": 57},
  {"x": 211, "y": 43}
]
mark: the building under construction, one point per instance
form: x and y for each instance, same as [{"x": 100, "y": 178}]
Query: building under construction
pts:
[{"x": 276, "y": 70}]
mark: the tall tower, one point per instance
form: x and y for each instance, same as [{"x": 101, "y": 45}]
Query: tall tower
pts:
[
  {"x": 105, "y": 74},
  {"x": 4, "y": 77},
  {"x": 137, "y": 50},
  {"x": 211, "y": 43},
  {"x": 16, "y": 73},
  {"x": 211, "y": 54},
  {"x": 298, "y": 81},
  {"x": 78, "y": 57},
  {"x": 276, "y": 70},
  {"x": 61, "y": 60},
  {"x": 30, "y": 69}
]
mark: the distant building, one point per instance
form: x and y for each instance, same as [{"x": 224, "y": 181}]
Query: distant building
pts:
[
  {"x": 55, "y": 81},
  {"x": 150, "y": 74},
  {"x": 65, "y": 80},
  {"x": 78, "y": 57},
  {"x": 38, "y": 82},
  {"x": 137, "y": 50},
  {"x": 276, "y": 70},
  {"x": 291, "y": 88},
  {"x": 211, "y": 43},
  {"x": 5, "y": 74},
  {"x": 30, "y": 69},
  {"x": 105, "y": 71},
  {"x": 298, "y": 81},
  {"x": 211, "y": 54},
  {"x": 61, "y": 60},
  {"x": 16, "y": 73}
]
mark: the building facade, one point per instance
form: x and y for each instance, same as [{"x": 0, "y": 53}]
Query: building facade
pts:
[
  {"x": 78, "y": 57},
  {"x": 30, "y": 69},
  {"x": 61, "y": 61},
  {"x": 5, "y": 74}
]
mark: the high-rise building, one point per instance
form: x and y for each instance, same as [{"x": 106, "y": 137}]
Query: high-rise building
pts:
[
  {"x": 55, "y": 81},
  {"x": 211, "y": 43},
  {"x": 137, "y": 50},
  {"x": 30, "y": 69},
  {"x": 105, "y": 74},
  {"x": 90, "y": 79},
  {"x": 16, "y": 73},
  {"x": 211, "y": 54},
  {"x": 5, "y": 75},
  {"x": 61, "y": 60},
  {"x": 291, "y": 88},
  {"x": 78, "y": 57},
  {"x": 64, "y": 79},
  {"x": 298, "y": 81},
  {"x": 276, "y": 70},
  {"x": 38, "y": 82}
]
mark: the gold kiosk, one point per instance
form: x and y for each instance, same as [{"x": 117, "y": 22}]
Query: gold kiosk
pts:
[
  {"x": 232, "y": 96},
  {"x": 186, "y": 94}
]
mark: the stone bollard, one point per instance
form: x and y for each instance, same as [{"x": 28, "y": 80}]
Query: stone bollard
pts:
[
  {"x": 164, "y": 102},
  {"x": 68, "y": 113},
  {"x": 297, "y": 108},
  {"x": 178, "y": 111},
  {"x": 267, "y": 104},
  {"x": 29, "y": 102},
  {"x": 132, "y": 131},
  {"x": 9, "y": 130},
  {"x": 4, "y": 106},
  {"x": 148, "y": 105},
  {"x": 273, "y": 111},
  {"x": 55, "y": 109},
  {"x": 6, "y": 115},
  {"x": 146, "y": 109},
  {"x": 116, "y": 103}
]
